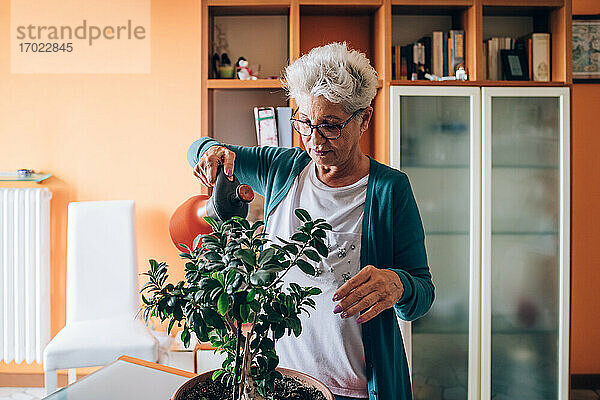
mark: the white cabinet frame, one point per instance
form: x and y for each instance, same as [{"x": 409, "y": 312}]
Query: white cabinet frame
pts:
[
  {"x": 564, "y": 248},
  {"x": 480, "y": 286},
  {"x": 473, "y": 93}
]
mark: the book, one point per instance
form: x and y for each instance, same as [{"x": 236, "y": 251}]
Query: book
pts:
[
  {"x": 529, "y": 57},
  {"x": 284, "y": 128},
  {"x": 449, "y": 55},
  {"x": 266, "y": 126},
  {"x": 540, "y": 59},
  {"x": 399, "y": 66},
  {"x": 437, "y": 63},
  {"x": 407, "y": 60},
  {"x": 394, "y": 75},
  {"x": 493, "y": 59},
  {"x": 445, "y": 54},
  {"x": 457, "y": 55},
  {"x": 485, "y": 60},
  {"x": 426, "y": 41},
  {"x": 419, "y": 59}
]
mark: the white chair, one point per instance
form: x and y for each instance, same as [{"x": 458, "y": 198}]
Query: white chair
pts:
[{"x": 102, "y": 292}]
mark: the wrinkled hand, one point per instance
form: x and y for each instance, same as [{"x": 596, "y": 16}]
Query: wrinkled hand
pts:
[
  {"x": 372, "y": 290},
  {"x": 206, "y": 169}
]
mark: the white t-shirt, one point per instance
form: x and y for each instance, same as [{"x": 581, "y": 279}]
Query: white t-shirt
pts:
[{"x": 329, "y": 348}]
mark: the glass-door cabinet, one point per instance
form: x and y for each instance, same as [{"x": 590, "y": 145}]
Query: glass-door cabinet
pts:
[{"x": 489, "y": 170}]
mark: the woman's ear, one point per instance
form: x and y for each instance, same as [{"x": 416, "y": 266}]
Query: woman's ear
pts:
[{"x": 366, "y": 119}]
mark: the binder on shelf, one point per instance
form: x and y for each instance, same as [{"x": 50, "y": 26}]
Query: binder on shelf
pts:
[
  {"x": 540, "y": 58},
  {"x": 284, "y": 128},
  {"x": 266, "y": 126}
]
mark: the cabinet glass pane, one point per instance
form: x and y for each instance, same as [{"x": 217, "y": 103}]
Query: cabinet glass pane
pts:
[
  {"x": 435, "y": 145},
  {"x": 525, "y": 247}
]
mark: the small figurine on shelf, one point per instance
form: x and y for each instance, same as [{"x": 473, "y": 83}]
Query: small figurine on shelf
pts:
[
  {"x": 244, "y": 72},
  {"x": 461, "y": 74},
  {"x": 225, "y": 69}
]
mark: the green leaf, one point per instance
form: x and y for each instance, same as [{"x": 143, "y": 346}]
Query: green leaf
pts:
[
  {"x": 266, "y": 256},
  {"x": 212, "y": 318},
  {"x": 208, "y": 284},
  {"x": 320, "y": 246},
  {"x": 303, "y": 215},
  {"x": 246, "y": 255},
  {"x": 217, "y": 374},
  {"x": 250, "y": 295},
  {"x": 185, "y": 337},
  {"x": 196, "y": 241},
  {"x": 219, "y": 277},
  {"x": 255, "y": 306},
  {"x": 313, "y": 255},
  {"x": 279, "y": 331},
  {"x": 213, "y": 256},
  {"x": 295, "y": 287},
  {"x": 324, "y": 225},
  {"x": 301, "y": 237},
  {"x": 231, "y": 275},
  {"x": 223, "y": 303},
  {"x": 291, "y": 248},
  {"x": 320, "y": 233},
  {"x": 275, "y": 267},
  {"x": 214, "y": 224},
  {"x": 184, "y": 246},
  {"x": 201, "y": 331},
  {"x": 296, "y": 326},
  {"x": 314, "y": 291},
  {"x": 262, "y": 278},
  {"x": 257, "y": 225},
  {"x": 170, "y": 326},
  {"x": 305, "y": 267},
  {"x": 244, "y": 312}
]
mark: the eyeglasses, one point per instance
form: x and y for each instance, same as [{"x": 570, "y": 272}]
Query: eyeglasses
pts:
[{"x": 328, "y": 131}]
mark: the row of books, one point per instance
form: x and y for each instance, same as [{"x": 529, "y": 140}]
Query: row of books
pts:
[
  {"x": 273, "y": 126},
  {"x": 440, "y": 54},
  {"x": 535, "y": 49}
]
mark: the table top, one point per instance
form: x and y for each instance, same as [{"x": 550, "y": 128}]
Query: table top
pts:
[{"x": 125, "y": 379}]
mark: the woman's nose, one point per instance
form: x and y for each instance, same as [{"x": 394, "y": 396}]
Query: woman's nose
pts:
[{"x": 316, "y": 137}]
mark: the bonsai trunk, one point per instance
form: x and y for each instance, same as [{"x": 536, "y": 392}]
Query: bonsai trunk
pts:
[{"x": 249, "y": 390}]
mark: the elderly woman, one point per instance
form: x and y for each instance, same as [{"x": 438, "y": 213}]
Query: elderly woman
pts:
[{"x": 377, "y": 267}]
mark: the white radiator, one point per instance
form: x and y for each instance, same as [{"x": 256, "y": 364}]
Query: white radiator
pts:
[{"x": 24, "y": 273}]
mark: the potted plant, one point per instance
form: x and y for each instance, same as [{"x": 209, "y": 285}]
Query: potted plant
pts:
[{"x": 233, "y": 276}]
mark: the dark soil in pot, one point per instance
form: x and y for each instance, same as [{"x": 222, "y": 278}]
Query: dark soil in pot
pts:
[{"x": 287, "y": 388}]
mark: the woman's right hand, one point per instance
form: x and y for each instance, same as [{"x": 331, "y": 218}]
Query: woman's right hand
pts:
[{"x": 206, "y": 169}]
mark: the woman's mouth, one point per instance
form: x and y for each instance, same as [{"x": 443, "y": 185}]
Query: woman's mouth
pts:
[{"x": 320, "y": 153}]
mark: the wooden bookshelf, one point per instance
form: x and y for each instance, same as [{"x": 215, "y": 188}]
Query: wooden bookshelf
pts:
[
  {"x": 238, "y": 84},
  {"x": 369, "y": 25}
]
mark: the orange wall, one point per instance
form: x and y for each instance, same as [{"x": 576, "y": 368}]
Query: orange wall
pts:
[
  {"x": 585, "y": 263},
  {"x": 113, "y": 136}
]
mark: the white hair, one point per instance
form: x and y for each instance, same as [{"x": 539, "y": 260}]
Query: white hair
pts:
[{"x": 335, "y": 72}]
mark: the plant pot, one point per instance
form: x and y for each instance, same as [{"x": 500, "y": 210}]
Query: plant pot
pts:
[{"x": 306, "y": 379}]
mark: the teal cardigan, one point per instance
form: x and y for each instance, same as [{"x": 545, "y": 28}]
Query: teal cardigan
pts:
[{"x": 392, "y": 238}]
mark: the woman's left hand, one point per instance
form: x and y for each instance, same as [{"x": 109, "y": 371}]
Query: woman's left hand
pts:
[{"x": 372, "y": 289}]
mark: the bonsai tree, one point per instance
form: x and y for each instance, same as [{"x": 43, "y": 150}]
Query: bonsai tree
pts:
[{"x": 235, "y": 277}]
